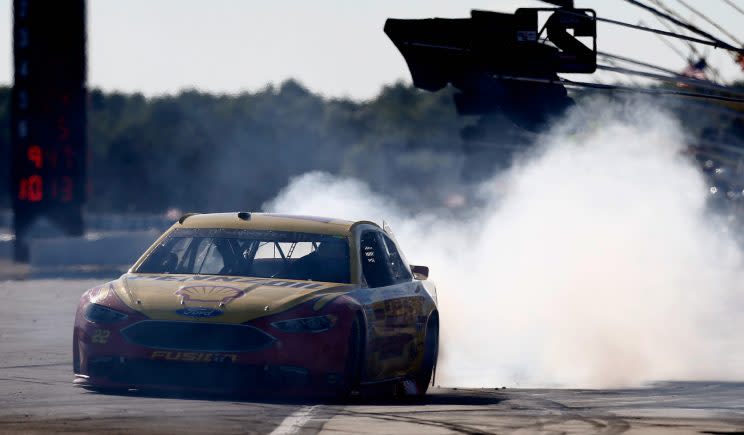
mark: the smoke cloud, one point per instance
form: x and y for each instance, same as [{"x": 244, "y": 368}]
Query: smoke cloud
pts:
[{"x": 593, "y": 261}]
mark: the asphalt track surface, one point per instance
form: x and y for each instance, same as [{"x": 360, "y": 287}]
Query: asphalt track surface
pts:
[{"x": 37, "y": 395}]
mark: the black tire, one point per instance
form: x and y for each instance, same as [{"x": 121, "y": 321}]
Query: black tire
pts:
[
  {"x": 431, "y": 351},
  {"x": 354, "y": 359}
]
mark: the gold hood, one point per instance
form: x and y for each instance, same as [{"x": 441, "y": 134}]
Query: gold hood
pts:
[{"x": 223, "y": 299}]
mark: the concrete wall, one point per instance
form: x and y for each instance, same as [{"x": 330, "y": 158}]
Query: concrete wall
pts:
[{"x": 97, "y": 249}]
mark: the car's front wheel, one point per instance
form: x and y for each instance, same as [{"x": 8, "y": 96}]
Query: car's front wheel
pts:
[{"x": 354, "y": 358}]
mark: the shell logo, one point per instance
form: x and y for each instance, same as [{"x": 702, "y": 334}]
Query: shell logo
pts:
[{"x": 194, "y": 298}]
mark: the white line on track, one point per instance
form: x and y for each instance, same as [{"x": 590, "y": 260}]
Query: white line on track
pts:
[{"x": 294, "y": 422}]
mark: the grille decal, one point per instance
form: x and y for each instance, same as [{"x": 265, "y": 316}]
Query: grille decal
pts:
[{"x": 197, "y": 336}]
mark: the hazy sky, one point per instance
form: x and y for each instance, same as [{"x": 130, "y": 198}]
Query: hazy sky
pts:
[{"x": 334, "y": 47}]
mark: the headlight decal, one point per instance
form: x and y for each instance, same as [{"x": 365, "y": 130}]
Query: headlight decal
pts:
[
  {"x": 98, "y": 294},
  {"x": 101, "y": 314},
  {"x": 306, "y": 324}
]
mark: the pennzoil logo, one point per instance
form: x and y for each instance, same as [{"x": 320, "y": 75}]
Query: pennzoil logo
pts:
[
  {"x": 194, "y": 356},
  {"x": 206, "y": 300}
]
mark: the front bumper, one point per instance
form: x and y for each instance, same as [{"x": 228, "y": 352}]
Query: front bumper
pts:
[
  {"x": 131, "y": 354},
  {"x": 121, "y": 372}
]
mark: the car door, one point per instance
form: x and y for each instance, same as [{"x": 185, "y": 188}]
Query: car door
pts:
[{"x": 394, "y": 306}]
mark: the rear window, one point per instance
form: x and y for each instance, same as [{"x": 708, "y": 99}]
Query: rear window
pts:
[{"x": 264, "y": 254}]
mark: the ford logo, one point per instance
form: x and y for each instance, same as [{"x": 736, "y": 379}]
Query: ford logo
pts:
[{"x": 199, "y": 312}]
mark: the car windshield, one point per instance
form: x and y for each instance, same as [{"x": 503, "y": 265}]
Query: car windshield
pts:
[{"x": 265, "y": 254}]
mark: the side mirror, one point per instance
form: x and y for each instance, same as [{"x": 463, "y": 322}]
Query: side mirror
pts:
[{"x": 420, "y": 272}]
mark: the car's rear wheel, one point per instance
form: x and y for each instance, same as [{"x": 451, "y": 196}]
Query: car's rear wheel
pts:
[{"x": 431, "y": 351}]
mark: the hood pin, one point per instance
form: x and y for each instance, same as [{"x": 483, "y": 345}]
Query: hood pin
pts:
[{"x": 267, "y": 308}]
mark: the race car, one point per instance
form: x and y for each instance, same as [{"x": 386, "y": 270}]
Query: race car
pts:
[{"x": 246, "y": 302}]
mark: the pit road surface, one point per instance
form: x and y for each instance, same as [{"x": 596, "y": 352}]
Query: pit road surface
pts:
[{"x": 37, "y": 395}]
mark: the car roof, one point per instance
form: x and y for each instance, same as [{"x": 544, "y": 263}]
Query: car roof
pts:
[{"x": 269, "y": 221}]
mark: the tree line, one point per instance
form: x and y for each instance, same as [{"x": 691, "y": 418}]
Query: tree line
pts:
[
  {"x": 199, "y": 151},
  {"x": 205, "y": 152}
]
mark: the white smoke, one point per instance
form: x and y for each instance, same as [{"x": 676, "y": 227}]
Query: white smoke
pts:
[{"x": 591, "y": 262}]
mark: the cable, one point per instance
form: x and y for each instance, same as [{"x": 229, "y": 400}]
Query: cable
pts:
[
  {"x": 693, "y": 49},
  {"x": 673, "y": 35},
  {"x": 690, "y": 27},
  {"x": 706, "y": 106},
  {"x": 671, "y": 46},
  {"x": 712, "y": 23},
  {"x": 696, "y": 53},
  {"x": 638, "y": 62},
  {"x": 614, "y": 67},
  {"x": 671, "y": 27},
  {"x": 676, "y": 77},
  {"x": 716, "y": 44},
  {"x": 577, "y": 84},
  {"x": 703, "y": 84},
  {"x": 653, "y": 91},
  {"x": 733, "y": 5}
]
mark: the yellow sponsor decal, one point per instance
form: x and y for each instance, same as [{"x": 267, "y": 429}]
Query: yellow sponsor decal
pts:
[
  {"x": 325, "y": 300},
  {"x": 193, "y": 356}
]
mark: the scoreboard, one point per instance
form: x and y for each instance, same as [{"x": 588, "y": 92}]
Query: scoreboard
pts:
[{"x": 48, "y": 116}]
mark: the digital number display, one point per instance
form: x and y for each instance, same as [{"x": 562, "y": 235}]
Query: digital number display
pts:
[
  {"x": 49, "y": 164},
  {"x": 48, "y": 105}
]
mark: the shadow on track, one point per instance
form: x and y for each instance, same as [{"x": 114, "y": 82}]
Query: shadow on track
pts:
[{"x": 434, "y": 397}]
